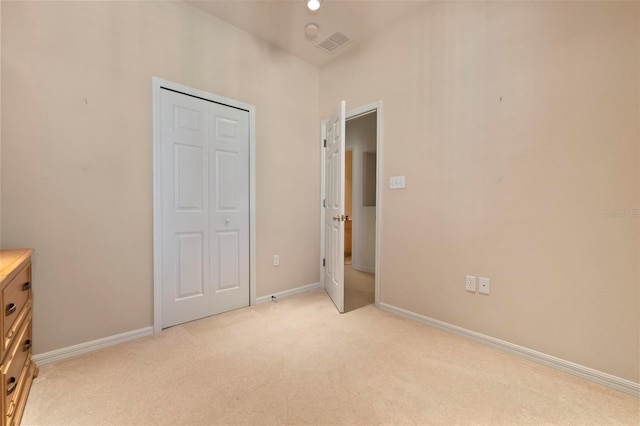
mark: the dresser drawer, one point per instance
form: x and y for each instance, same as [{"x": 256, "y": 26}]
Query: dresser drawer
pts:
[
  {"x": 15, "y": 370},
  {"x": 15, "y": 297}
]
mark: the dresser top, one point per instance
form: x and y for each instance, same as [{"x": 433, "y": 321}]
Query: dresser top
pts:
[{"x": 11, "y": 262}]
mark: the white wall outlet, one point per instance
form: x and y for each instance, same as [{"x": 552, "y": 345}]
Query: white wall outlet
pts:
[
  {"x": 276, "y": 260},
  {"x": 485, "y": 285},
  {"x": 396, "y": 182},
  {"x": 470, "y": 283}
]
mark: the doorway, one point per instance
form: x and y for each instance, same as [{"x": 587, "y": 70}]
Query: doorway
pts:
[
  {"x": 204, "y": 221},
  {"x": 360, "y": 210},
  {"x": 365, "y": 246}
]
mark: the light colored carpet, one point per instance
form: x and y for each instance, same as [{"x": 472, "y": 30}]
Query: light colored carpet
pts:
[{"x": 300, "y": 362}]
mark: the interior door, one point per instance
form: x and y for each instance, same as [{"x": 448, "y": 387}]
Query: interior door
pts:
[
  {"x": 334, "y": 211},
  {"x": 229, "y": 201},
  {"x": 205, "y": 207}
]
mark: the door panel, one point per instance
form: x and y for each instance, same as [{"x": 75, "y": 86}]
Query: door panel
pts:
[
  {"x": 227, "y": 191},
  {"x": 188, "y": 177},
  {"x": 229, "y": 221},
  {"x": 334, "y": 211},
  {"x": 205, "y": 207},
  {"x": 190, "y": 266},
  {"x": 226, "y": 128},
  {"x": 228, "y": 260},
  {"x": 187, "y": 119},
  {"x": 185, "y": 214}
]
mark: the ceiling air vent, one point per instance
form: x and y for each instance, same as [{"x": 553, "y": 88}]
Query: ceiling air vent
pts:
[{"x": 333, "y": 42}]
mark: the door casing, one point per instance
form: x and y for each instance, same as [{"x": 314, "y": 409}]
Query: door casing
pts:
[
  {"x": 366, "y": 109},
  {"x": 157, "y": 85}
]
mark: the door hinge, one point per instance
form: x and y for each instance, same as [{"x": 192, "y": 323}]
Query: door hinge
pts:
[
  {"x": 325, "y": 143},
  {"x": 324, "y": 262},
  {"x": 324, "y": 203}
]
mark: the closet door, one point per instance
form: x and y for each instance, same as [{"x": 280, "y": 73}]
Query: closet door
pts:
[
  {"x": 205, "y": 207},
  {"x": 229, "y": 201}
]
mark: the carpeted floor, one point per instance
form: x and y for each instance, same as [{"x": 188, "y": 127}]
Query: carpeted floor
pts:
[{"x": 298, "y": 361}]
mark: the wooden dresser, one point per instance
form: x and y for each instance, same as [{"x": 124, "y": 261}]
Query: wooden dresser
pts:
[{"x": 17, "y": 369}]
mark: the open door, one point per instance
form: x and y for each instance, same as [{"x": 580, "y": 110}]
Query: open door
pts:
[{"x": 334, "y": 207}]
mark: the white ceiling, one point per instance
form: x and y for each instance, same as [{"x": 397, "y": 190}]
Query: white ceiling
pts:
[{"x": 282, "y": 22}]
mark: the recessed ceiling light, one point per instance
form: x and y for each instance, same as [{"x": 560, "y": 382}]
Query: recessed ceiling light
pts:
[{"x": 313, "y": 4}]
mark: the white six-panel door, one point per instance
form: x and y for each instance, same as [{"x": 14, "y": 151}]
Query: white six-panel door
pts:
[
  {"x": 204, "y": 151},
  {"x": 334, "y": 211},
  {"x": 229, "y": 201}
]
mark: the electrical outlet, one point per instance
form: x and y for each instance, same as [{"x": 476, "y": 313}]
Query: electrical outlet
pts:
[
  {"x": 485, "y": 285},
  {"x": 276, "y": 260},
  {"x": 470, "y": 283}
]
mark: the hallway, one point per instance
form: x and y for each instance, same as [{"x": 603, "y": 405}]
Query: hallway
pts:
[{"x": 359, "y": 287}]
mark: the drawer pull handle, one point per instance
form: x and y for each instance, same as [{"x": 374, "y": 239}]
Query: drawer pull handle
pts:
[
  {"x": 11, "y": 308},
  {"x": 11, "y": 409},
  {"x": 11, "y": 385},
  {"x": 26, "y": 346},
  {"x": 26, "y": 286}
]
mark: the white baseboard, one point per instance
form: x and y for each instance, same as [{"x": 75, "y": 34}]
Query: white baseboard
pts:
[
  {"x": 288, "y": 293},
  {"x": 363, "y": 269},
  {"x": 587, "y": 373},
  {"x": 94, "y": 345}
]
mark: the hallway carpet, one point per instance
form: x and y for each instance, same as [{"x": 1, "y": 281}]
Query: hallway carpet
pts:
[
  {"x": 359, "y": 288},
  {"x": 298, "y": 361}
]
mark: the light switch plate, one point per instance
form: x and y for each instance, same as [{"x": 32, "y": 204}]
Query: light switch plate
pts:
[{"x": 396, "y": 182}]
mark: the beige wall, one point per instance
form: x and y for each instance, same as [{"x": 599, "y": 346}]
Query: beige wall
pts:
[
  {"x": 516, "y": 125},
  {"x": 77, "y": 142}
]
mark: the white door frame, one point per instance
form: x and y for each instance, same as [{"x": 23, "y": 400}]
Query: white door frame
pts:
[
  {"x": 157, "y": 85},
  {"x": 366, "y": 109}
]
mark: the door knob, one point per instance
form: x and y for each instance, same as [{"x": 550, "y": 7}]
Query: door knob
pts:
[
  {"x": 338, "y": 218},
  {"x": 227, "y": 220}
]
